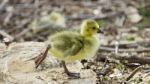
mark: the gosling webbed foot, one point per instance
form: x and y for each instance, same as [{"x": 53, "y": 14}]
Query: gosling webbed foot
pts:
[
  {"x": 70, "y": 74},
  {"x": 41, "y": 57}
]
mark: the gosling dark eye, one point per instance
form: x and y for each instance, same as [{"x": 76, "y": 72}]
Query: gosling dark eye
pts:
[{"x": 93, "y": 28}]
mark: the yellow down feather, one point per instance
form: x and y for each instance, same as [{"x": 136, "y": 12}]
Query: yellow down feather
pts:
[{"x": 71, "y": 45}]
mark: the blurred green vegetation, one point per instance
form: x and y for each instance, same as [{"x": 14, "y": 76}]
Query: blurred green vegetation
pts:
[
  {"x": 101, "y": 23},
  {"x": 144, "y": 11},
  {"x": 130, "y": 38}
]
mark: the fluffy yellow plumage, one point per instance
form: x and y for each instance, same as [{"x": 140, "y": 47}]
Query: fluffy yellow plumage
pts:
[
  {"x": 69, "y": 46},
  {"x": 52, "y": 20}
]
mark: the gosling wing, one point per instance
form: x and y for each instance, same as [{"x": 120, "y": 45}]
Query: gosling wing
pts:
[{"x": 69, "y": 43}]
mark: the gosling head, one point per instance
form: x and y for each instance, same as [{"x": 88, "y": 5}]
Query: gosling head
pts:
[
  {"x": 58, "y": 19},
  {"x": 90, "y": 28}
]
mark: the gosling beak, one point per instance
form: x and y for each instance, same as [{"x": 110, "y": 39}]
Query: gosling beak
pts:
[{"x": 101, "y": 30}]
